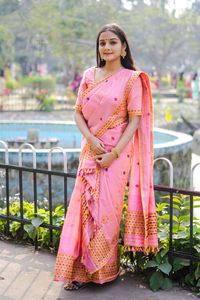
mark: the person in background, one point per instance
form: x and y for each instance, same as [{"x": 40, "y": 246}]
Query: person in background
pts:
[
  {"x": 181, "y": 87},
  {"x": 195, "y": 87}
]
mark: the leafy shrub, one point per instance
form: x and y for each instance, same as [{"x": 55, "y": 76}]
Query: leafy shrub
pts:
[
  {"x": 32, "y": 230},
  {"x": 12, "y": 84},
  {"x": 45, "y": 102},
  {"x": 38, "y": 82}
]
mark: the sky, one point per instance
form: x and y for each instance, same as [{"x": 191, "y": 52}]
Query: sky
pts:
[{"x": 181, "y": 5}]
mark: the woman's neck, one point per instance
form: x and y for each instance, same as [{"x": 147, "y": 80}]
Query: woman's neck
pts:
[{"x": 113, "y": 66}]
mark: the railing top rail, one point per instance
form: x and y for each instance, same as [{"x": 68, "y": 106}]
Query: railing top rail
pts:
[
  {"x": 37, "y": 170},
  {"x": 175, "y": 190}
]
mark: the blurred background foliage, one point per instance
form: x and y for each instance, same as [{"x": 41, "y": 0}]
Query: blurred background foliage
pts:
[{"x": 62, "y": 33}]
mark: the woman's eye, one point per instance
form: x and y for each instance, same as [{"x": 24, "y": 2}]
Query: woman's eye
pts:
[
  {"x": 112, "y": 43},
  {"x": 102, "y": 44}
]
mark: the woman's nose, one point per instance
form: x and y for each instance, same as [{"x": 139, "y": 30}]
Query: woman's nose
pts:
[{"x": 107, "y": 46}]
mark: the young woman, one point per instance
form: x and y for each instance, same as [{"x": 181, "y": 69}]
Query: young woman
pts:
[{"x": 114, "y": 103}]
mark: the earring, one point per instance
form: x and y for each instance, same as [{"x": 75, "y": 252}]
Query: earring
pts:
[{"x": 123, "y": 54}]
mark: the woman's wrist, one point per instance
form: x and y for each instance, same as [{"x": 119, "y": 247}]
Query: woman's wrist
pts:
[
  {"x": 89, "y": 137},
  {"x": 115, "y": 152}
]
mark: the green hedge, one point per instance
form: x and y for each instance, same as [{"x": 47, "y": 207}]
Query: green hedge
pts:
[{"x": 38, "y": 82}]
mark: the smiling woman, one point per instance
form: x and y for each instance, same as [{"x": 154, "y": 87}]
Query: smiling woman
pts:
[{"x": 114, "y": 103}]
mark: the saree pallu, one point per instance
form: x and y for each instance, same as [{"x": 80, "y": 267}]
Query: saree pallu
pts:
[{"x": 89, "y": 248}]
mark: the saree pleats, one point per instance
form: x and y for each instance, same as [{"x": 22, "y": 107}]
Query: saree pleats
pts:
[{"x": 89, "y": 248}]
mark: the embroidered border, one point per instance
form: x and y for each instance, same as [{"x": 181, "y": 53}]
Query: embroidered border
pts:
[
  {"x": 135, "y": 112},
  {"x": 69, "y": 269},
  {"x": 135, "y": 223},
  {"x": 99, "y": 248},
  {"x": 117, "y": 122},
  {"x": 85, "y": 212},
  {"x": 78, "y": 107}
]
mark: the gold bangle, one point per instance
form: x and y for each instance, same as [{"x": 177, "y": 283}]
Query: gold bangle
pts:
[{"x": 115, "y": 151}]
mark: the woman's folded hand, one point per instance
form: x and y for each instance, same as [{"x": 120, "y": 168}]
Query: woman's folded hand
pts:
[
  {"x": 105, "y": 159},
  {"x": 96, "y": 145}
]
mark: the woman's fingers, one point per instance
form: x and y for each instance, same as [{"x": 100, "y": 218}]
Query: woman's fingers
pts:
[
  {"x": 102, "y": 144},
  {"x": 98, "y": 156}
]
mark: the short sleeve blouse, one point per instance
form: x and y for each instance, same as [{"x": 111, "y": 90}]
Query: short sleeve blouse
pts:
[
  {"x": 82, "y": 88},
  {"x": 134, "y": 101}
]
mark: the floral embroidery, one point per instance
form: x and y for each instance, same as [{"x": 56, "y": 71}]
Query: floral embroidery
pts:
[{"x": 106, "y": 218}]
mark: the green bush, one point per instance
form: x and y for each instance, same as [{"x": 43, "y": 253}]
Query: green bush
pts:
[
  {"x": 38, "y": 82},
  {"x": 11, "y": 84},
  {"x": 33, "y": 229}
]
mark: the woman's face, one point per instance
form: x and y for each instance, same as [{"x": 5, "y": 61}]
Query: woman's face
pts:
[{"x": 110, "y": 46}]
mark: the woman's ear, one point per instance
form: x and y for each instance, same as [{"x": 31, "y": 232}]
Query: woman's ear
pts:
[{"x": 124, "y": 46}]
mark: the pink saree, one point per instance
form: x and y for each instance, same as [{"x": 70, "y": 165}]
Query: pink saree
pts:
[{"x": 89, "y": 248}]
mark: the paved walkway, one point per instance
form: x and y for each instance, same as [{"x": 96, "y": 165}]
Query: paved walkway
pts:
[{"x": 27, "y": 275}]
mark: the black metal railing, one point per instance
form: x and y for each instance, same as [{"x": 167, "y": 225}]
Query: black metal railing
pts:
[
  {"x": 185, "y": 192},
  {"x": 171, "y": 191},
  {"x": 34, "y": 171}
]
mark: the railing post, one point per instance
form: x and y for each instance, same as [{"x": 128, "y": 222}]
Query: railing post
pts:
[
  {"x": 50, "y": 184},
  {"x": 171, "y": 179},
  {"x": 34, "y": 154},
  {"x": 6, "y": 152},
  {"x": 21, "y": 182},
  {"x": 171, "y": 169},
  {"x": 192, "y": 176},
  {"x": 64, "y": 157},
  {"x": 191, "y": 215},
  {"x": 7, "y": 184}
]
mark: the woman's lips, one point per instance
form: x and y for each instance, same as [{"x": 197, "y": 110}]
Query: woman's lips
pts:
[{"x": 107, "y": 53}]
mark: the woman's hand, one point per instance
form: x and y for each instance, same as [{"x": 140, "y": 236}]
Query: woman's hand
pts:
[
  {"x": 96, "y": 145},
  {"x": 105, "y": 159}
]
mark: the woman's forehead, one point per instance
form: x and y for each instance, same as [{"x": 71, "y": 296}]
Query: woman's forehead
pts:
[{"x": 108, "y": 35}]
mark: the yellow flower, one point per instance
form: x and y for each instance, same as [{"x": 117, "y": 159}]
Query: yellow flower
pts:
[{"x": 168, "y": 116}]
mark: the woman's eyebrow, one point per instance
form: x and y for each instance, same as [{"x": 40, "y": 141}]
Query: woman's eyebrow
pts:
[{"x": 108, "y": 39}]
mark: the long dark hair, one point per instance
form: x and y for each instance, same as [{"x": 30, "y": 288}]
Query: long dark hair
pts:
[{"x": 127, "y": 62}]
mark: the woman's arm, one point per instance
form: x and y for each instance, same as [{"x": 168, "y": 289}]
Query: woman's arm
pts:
[
  {"x": 128, "y": 133},
  {"x": 106, "y": 159},
  {"x": 96, "y": 145}
]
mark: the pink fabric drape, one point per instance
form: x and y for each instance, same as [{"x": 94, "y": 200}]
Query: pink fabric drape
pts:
[{"x": 88, "y": 248}]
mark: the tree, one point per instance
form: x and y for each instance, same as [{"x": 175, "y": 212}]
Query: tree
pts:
[
  {"x": 6, "y": 47},
  {"x": 156, "y": 37}
]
